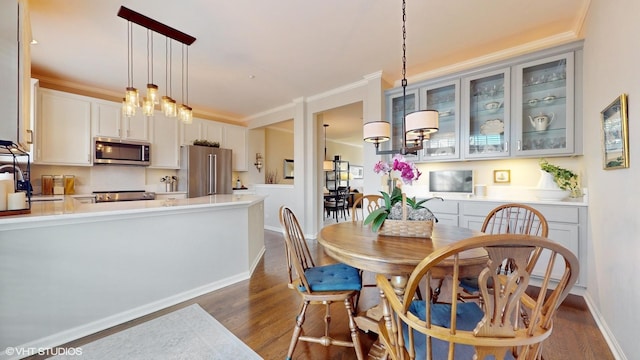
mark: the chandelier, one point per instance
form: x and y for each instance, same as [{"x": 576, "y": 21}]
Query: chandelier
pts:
[
  {"x": 416, "y": 126},
  {"x": 131, "y": 100}
]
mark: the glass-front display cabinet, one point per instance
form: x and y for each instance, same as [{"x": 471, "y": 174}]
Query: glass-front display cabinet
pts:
[
  {"x": 486, "y": 114},
  {"x": 545, "y": 106},
  {"x": 444, "y": 98},
  {"x": 337, "y": 177},
  {"x": 395, "y": 114}
]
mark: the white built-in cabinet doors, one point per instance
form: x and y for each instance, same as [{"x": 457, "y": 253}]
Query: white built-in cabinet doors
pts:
[
  {"x": 108, "y": 122},
  {"x": 235, "y": 138},
  {"x": 228, "y": 136},
  {"x": 165, "y": 146},
  {"x": 67, "y": 123},
  {"x": 63, "y": 129}
]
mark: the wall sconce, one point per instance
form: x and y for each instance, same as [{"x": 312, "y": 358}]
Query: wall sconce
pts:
[{"x": 258, "y": 162}]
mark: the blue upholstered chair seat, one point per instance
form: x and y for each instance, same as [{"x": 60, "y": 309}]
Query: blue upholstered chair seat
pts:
[
  {"x": 467, "y": 317},
  {"x": 334, "y": 277}
]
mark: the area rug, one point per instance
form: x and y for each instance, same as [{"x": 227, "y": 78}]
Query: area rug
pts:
[{"x": 188, "y": 333}]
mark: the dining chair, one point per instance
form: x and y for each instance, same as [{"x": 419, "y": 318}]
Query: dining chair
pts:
[
  {"x": 509, "y": 218},
  {"x": 427, "y": 330},
  {"x": 364, "y": 205},
  {"x": 515, "y": 219},
  {"x": 318, "y": 285},
  {"x": 338, "y": 204}
]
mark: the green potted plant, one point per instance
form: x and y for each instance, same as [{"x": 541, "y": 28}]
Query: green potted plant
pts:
[
  {"x": 565, "y": 179},
  {"x": 396, "y": 205}
]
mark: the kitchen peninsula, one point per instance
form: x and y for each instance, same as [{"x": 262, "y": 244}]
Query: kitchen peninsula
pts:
[{"x": 70, "y": 269}]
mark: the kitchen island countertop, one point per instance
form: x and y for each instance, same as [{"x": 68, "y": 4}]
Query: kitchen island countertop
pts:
[{"x": 68, "y": 209}]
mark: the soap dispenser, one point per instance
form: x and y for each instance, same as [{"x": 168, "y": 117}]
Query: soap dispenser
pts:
[{"x": 238, "y": 184}]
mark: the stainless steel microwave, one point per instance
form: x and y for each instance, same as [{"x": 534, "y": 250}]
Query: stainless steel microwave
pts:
[{"x": 121, "y": 152}]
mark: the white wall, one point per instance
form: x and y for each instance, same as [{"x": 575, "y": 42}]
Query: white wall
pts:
[{"x": 611, "y": 68}]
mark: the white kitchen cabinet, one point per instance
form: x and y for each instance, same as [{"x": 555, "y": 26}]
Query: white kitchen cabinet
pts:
[
  {"x": 228, "y": 136},
  {"x": 527, "y": 106},
  {"x": 212, "y": 131},
  {"x": 444, "y": 97},
  {"x": 486, "y": 114},
  {"x": 165, "y": 146},
  {"x": 544, "y": 104},
  {"x": 201, "y": 129},
  {"x": 445, "y": 211},
  {"x": 235, "y": 138},
  {"x": 63, "y": 129},
  {"x": 109, "y": 122},
  {"x": 189, "y": 132},
  {"x": 567, "y": 226}
]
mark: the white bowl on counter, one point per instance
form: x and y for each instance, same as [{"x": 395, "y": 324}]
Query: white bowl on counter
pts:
[{"x": 551, "y": 194}]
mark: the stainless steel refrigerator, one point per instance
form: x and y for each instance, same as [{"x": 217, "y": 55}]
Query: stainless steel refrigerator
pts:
[{"x": 204, "y": 171}]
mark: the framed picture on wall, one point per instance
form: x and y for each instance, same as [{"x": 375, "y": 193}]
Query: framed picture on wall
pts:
[
  {"x": 357, "y": 172},
  {"x": 501, "y": 176},
  {"x": 615, "y": 138}
]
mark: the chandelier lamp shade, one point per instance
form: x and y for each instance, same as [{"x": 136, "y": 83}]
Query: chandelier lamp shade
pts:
[
  {"x": 416, "y": 126},
  {"x": 131, "y": 100}
]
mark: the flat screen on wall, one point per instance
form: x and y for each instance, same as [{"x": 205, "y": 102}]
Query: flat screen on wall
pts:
[{"x": 451, "y": 181}]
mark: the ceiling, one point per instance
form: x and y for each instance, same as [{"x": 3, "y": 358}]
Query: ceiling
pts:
[{"x": 252, "y": 56}]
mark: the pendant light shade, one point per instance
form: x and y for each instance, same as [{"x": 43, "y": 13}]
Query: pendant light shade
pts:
[
  {"x": 377, "y": 132},
  {"x": 422, "y": 122},
  {"x": 128, "y": 110},
  {"x": 327, "y": 165},
  {"x": 148, "y": 107},
  {"x": 152, "y": 93},
  {"x": 170, "y": 108},
  {"x": 186, "y": 114}
]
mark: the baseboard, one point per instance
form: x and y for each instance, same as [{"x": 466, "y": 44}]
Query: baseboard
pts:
[
  {"x": 604, "y": 329},
  {"x": 257, "y": 261},
  {"x": 273, "y": 228},
  {"x": 105, "y": 323}
]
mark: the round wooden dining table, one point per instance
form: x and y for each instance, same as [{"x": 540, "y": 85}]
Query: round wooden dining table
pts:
[{"x": 357, "y": 245}]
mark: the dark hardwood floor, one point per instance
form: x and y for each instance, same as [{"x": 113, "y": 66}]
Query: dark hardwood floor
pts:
[{"x": 261, "y": 312}]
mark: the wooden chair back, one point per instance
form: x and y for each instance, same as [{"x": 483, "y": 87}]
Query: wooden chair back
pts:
[
  {"x": 364, "y": 205},
  {"x": 440, "y": 331},
  {"x": 515, "y": 219},
  {"x": 297, "y": 252}
]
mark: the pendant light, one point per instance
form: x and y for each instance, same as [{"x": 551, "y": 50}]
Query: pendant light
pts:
[
  {"x": 327, "y": 165},
  {"x": 131, "y": 98},
  {"x": 150, "y": 101},
  {"x": 416, "y": 126},
  {"x": 169, "y": 107},
  {"x": 186, "y": 113}
]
